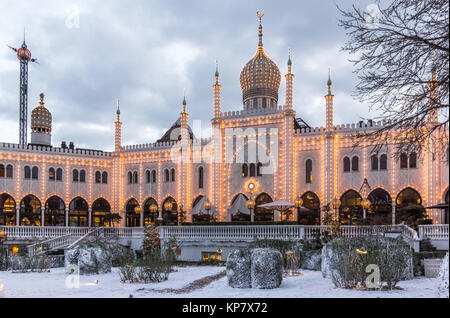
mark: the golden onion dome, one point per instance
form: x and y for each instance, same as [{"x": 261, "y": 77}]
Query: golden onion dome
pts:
[
  {"x": 41, "y": 118},
  {"x": 260, "y": 77}
]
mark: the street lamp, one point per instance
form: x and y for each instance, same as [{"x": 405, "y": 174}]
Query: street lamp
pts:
[
  {"x": 336, "y": 205},
  {"x": 138, "y": 210},
  {"x": 365, "y": 204},
  {"x": 251, "y": 205},
  {"x": 298, "y": 204},
  {"x": 208, "y": 206}
]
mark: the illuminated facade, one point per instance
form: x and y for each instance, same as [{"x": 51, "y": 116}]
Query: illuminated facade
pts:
[{"x": 66, "y": 186}]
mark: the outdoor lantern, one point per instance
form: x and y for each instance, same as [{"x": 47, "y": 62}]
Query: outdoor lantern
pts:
[
  {"x": 219, "y": 251},
  {"x": 336, "y": 203},
  {"x": 250, "y": 204},
  {"x": 366, "y": 204},
  {"x": 168, "y": 206},
  {"x": 207, "y": 205},
  {"x": 298, "y": 202},
  {"x": 137, "y": 209},
  {"x": 153, "y": 208}
]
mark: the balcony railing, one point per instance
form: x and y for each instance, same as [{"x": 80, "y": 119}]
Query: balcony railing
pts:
[{"x": 434, "y": 232}]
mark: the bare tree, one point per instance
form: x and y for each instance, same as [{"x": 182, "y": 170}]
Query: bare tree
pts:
[{"x": 402, "y": 62}]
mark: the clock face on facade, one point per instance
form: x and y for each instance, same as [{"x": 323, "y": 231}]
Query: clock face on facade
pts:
[{"x": 251, "y": 186}]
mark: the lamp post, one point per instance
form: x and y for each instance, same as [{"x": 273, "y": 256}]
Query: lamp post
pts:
[
  {"x": 168, "y": 207},
  {"x": 336, "y": 205},
  {"x": 298, "y": 204},
  {"x": 138, "y": 210},
  {"x": 154, "y": 209},
  {"x": 365, "y": 204},
  {"x": 208, "y": 207},
  {"x": 251, "y": 206}
]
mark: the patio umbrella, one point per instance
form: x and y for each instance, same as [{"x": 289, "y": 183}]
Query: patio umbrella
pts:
[
  {"x": 441, "y": 206},
  {"x": 282, "y": 206}
]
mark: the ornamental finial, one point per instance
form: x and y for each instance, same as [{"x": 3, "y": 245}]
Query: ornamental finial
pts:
[
  {"x": 42, "y": 98},
  {"x": 260, "y": 15}
]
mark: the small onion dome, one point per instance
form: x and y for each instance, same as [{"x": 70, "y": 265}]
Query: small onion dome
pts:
[
  {"x": 260, "y": 76},
  {"x": 41, "y": 118}
]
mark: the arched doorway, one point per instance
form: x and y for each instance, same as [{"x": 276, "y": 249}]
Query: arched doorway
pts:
[
  {"x": 7, "y": 210},
  {"x": 409, "y": 207},
  {"x": 380, "y": 211},
  {"x": 350, "y": 211},
  {"x": 133, "y": 219},
  {"x": 78, "y": 212},
  {"x": 239, "y": 203},
  {"x": 170, "y": 211},
  {"x": 55, "y": 212},
  {"x": 262, "y": 214},
  {"x": 149, "y": 216},
  {"x": 30, "y": 211},
  {"x": 311, "y": 202},
  {"x": 100, "y": 213}
]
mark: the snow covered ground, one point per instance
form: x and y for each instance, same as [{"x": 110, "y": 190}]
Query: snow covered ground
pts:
[{"x": 310, "y": 284}]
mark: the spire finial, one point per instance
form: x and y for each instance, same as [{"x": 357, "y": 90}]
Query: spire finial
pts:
[
  {"x": 217, "y": 72},
  {"x": 260, "y": 15},
  {"x": 289, "y": 54},
  {"x": 184, "y": 101},
  {"x": 24, "y": 45},
  {"x": 118, "y": 107},
  {"x": 329, "y": 83},
  {"x": 42, "y": 98}
]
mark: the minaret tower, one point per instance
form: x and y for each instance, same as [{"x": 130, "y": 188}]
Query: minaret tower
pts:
[
  {"x": 118, "y": 131},
  {"x": 184, "y": 165},
  {"x": 41, "y": 124},
  {"x": 289, "y": 84},
  {"x": 217, "y": 90},
  {"x": 24, "y": 56},
  {"x": 434, "y": 95},
  {"x": 329, "y": 159}
]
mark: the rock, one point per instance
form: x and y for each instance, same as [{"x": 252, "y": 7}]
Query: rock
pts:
[
  {"x": 311, "y": 260},
  {"x": 443, "y": 278},
  {"x": 88, "y": 260},
  {"x": 266, "y": 268},
  {"x": 238, "y": 269}
]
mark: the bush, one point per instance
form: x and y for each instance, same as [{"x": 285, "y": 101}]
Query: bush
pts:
[
  {"x": 240, "y": 223},
  {"x": 152, "y": 267},
  {"x": 4, "y": 262},
  {"x": 26, "y": 263},
  {"x": 281, "y": 245},
  {"x": 350, "y": 259}
]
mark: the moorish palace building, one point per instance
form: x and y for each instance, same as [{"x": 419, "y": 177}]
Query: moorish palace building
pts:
[{"x": 44, "y": 185}]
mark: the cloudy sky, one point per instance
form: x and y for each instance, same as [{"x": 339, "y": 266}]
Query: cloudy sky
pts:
[{"x": 145, "y": 53}]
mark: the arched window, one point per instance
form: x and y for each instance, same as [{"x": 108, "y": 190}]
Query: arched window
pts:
[
  {"x": 27, "y": 172},
  {"x": 413, "y": 160},
  {"x": 105, "y": 177},
  {"x": 130, "y": 177},
  {"x": 166, "y": 175},
  {"x": 200, "y": 178},
  {"x": 403, "y": 161},
  {"x": 252, "y": 170},
  {"x": 54, "y": 213},
  {"x": 262, "y": 214},
  {"x": 147, "y": 176},
  {"x": 2, "y": 171},
  {"x": 75, "y": 175},
  {"x": 30, "y": 211},
  {"x": 310, "y": 215},
  {"x": 98, "y": 177},
  {"x": 132, "y": 218},
  {"x": 78, "y": 212},
  {"x": 244, "y": 170},
  {"x": 258, "y": 169},
  {"x": 346, "y": 164},
  {"x": 9, "y": 171},
  {"x": 255, "y": 103},
  {"x": 51, "y": 174},
  {"x": 355, "y": 163},
  {"x": 383, "y": 162},
  {"x": 7, "y": 210},
  {"x": 308, "y": 171},
  {"x": 135, "y": 178},
  {"x": 172, "y": 173},
  {"x": 374, "y": 160},
  {"x": 59, "y": 174},
  {"x": 264, "y": 102},
  {"x": 35, "y": 173},
  {"x": 83, "y": 176},
  {"x": 100, "y": 211},
  {"x": 350, "y": 211},
  {"x": 154, "y": 176}
]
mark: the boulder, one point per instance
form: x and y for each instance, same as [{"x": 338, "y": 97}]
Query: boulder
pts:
[
  {"x": 266, "y": 268},
  {"x": 443, "y": 279},
  {"x": 88, "y": 259},
  {"x": 255, "y": 268},
  {"x": 238, "y": 269}
]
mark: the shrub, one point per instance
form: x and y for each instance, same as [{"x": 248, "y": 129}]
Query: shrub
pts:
[
  {"x": 4, "y": 262},
  {"x": 152, "y": 267},
  {"x": 282, "y": 246},
  {"x": 350, "y": 258}
]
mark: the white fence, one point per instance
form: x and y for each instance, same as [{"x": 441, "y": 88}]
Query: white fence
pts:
[
  {"x": 43, "y": 232},
  {"x": 434, "y": 232}
]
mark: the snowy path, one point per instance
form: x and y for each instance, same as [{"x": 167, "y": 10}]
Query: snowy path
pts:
[{"x": 309, "y": 285}]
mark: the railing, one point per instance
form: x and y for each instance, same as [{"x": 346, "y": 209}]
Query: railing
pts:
[
  {"x": 234, "y": 232},
  {"x": 43, "y": 232},
  {"x": 434, "y": 232},
  {"x": 51, "y": 244},
  {"x": 249, "y": 232}
]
